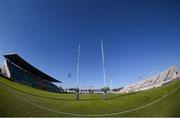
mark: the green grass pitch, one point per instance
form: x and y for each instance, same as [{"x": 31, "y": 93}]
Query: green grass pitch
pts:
[{"x": 20, "y": 100}]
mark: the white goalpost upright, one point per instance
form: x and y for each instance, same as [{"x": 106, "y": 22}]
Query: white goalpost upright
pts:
[
  {"x": 111, "y": 82},
  {"x": 77, "y": 72},
  {"x": 104, "y": 72}
]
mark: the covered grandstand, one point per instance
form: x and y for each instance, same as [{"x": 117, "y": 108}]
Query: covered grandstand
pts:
[
  {"x": 17, "y": 69},
  {"x": 157, "y": 80}
]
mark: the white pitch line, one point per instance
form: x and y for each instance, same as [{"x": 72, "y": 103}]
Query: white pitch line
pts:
[{"x": 73, "y": 114}]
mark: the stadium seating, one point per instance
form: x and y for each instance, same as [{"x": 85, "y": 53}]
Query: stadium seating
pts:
[{"x": 153, "y": 81}]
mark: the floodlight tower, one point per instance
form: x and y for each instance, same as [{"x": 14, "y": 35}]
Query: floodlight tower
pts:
[
  {"x": 104, "y": 72},
  {"x": 77, "y": 76}
]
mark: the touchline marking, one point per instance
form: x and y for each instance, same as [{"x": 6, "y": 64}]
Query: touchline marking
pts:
[{"x": 73, "y": 114}]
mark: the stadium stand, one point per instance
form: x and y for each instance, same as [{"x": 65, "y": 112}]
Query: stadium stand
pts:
[
  {"x": 157, "y": 80},
  {"x": 17, "y": 69}
]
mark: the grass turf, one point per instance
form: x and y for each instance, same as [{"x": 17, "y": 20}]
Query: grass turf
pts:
[{"x": 15, "y": 98}]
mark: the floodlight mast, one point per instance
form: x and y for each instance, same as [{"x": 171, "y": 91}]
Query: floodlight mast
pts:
[
  {"x": 77, "y": 76},
  {"x": 104, "y": 72}
]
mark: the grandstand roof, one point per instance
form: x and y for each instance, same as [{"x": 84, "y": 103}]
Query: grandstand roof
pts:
[{"x": 16, "y": 59}]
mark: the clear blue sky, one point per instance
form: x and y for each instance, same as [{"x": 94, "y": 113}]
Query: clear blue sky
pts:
[{"x": 139, "y": 36}]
